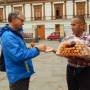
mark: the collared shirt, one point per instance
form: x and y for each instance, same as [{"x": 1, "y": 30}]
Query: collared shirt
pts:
[{"x": 85, "y": 39}]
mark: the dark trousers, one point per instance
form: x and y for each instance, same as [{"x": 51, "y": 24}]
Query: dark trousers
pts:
[
  {"x": 22, "y": 84},
  {"x": 78, "y": 78}
]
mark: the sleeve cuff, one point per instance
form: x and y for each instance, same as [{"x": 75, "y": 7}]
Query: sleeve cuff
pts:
[{"x": 37, "y": 49}]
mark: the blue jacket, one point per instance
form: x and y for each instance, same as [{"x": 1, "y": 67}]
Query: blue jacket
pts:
[{"x": 17, "y": 56}]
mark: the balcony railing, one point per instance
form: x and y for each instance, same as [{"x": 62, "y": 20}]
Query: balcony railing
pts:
[
  {"x": 46, "y": 18},
  {"x": 16, "y": 1}
]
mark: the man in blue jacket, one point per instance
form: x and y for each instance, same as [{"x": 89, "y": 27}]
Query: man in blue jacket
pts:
[{"x": 17, "y": 56}]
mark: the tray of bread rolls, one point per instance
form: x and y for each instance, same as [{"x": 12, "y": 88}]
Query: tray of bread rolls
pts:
[{"x": 73, "y": 48}]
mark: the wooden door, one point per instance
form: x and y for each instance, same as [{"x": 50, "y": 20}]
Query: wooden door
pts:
[
  {"x": 57, "y": 28},
  {"x": 41, "y": 32}
]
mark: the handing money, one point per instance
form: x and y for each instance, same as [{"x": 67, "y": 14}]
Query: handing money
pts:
[{"x": 42, "y": 47}]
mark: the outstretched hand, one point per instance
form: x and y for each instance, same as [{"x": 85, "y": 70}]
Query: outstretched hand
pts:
[
  {"x": 49, "y": 49},
  {"x": 45, "y": 48}
]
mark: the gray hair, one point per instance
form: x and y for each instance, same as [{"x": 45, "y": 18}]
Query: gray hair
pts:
[{"x": 12, "y": 15}]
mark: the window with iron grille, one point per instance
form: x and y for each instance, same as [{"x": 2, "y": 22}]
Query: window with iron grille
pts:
[
  {"x": 38, "y": 12},
  {"x": 58, "y": 11},
  {"x": 18, "y": 9},
  {"x": 80, "y": 8}
]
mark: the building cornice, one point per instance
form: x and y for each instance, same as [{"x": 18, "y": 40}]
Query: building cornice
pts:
[{"x": 5, "y": 2}]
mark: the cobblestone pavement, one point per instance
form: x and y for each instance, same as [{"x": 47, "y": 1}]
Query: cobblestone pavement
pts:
[{"x": 50, "y": 72}]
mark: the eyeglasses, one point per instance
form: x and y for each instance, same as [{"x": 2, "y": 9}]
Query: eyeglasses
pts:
[{"x": 22, "y": 20}]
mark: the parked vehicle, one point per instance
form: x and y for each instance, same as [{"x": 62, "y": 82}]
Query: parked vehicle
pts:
[{"x": 54, "y": 36}]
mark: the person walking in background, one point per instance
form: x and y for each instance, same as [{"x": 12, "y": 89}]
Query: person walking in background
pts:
[{"x": 17, "y": 56}]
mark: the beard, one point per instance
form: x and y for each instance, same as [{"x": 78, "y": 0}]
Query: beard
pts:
[{"x": 77, "y": 33}]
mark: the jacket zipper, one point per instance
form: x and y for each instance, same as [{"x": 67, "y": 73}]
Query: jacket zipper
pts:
[{"x": 27, "y": 67}]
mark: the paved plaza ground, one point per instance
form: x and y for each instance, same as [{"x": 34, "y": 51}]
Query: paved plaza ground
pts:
[{"x": 50, "y": 71}]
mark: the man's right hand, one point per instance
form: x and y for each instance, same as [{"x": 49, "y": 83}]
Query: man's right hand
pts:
[
  {"x": 45, "y": 48},
  {"x": 41, "y": 47}
]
